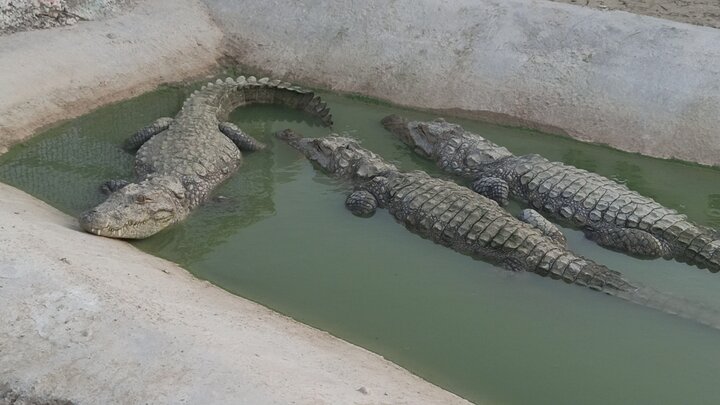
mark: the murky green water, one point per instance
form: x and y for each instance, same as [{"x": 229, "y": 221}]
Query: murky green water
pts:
[{"x": 282, "y": 237}]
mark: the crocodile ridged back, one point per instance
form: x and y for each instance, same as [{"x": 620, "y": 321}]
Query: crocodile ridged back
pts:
[{"x": 223, "y": 96}]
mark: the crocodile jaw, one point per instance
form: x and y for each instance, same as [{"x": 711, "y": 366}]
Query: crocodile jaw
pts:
[
  {"x": 136, "y": 211},
  {"x": 100, "y": 223}
]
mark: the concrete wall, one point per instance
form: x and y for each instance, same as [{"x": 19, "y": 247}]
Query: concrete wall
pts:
[
  {"x": 633, "y": 82},
  {"x": 56, "y": 74}
]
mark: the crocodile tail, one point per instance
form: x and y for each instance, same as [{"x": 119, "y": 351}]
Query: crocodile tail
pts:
[
  {"x": 695, "y": 245},
  {"x": 671, "y": 304},
  {"x": 549, "y": 259},
  {"x": 578, "y": 270},
  {"x": 268, "y": 91}
]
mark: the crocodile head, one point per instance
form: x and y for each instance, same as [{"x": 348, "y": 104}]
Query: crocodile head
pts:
[
  {"x": 137, "y": 210},
  {"x": 440, "y": 139},
  {"x": 338, "y": 155},
  {"x": 411, "y": 133}
]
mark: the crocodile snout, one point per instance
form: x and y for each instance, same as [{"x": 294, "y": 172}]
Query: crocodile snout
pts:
[
  {"x": 288, "y": 135},
  {"x": 93, "y": 221}
]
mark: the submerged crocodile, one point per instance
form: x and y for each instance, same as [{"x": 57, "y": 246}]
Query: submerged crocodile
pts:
[
  {"x": 450, "y": 214},
  {"x": 611, "y": 214},
  {"x": 181, "y": 160},
  {"x": 472, "y": 224}
]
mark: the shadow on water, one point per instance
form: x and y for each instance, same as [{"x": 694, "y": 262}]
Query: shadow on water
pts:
[
  {"x": 281, "y": 236},
  {"x": 243, "y": 200},
  {"x": 713, "y": 210}
]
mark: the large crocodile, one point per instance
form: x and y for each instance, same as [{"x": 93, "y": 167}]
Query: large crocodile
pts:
[
  {"x": 181, "y": 160},
  {"x": 610, "y": 213},
  {"x": 450, "y": 214}
]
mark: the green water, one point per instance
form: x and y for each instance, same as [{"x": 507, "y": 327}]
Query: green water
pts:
[{"x": 282, "y": 237}]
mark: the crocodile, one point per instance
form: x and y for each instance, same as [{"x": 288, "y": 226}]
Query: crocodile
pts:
[
  {"x": 609, "y": 212},
  {"x": 450, "y": 214},
  {"x": 181, "y": 160}
]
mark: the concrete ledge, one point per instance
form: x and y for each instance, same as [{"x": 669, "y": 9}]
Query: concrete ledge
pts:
[{"x": 633, "y": 82}]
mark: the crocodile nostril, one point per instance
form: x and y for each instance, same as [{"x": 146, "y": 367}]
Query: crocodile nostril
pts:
[{"x": 87, "y": 219}]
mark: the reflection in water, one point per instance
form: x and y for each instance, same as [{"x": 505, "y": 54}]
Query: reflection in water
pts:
[
  {"x": 713, "y": 210},
  {"x": 631, "y": 175},
  {"x": 67, "y": 168},
  {"x": 579, "y": 159}
]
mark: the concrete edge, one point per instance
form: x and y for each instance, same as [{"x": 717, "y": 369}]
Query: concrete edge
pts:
[
  {"x": 93, "y": 320},
  {"x": 100, "y": 62},
  {"x": 631, "y": 82}
]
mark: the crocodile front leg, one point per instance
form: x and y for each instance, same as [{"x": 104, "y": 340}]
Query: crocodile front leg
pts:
[
  {"x": 243, "y": 141},
  {"x": 112, "y": 186},
  {"x": 368, "y": 196},
  {"x": 632, "y": 241},
  {"x": 361, "y": 203},
  {"x": 534, "y": 218},
  {"x": 145, "y": 133},
  {"x": 493, "y": 188}
]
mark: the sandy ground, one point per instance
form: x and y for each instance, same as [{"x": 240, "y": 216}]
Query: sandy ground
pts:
[
  {"x": 93, "y": 320},
  {"x": 699, "y": 12}
]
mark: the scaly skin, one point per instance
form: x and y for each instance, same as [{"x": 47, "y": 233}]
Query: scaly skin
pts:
[
  {"x": 451, "y": 215},
  {"x": 180, "y": 161},
  {"x": 610, "y": 213}
]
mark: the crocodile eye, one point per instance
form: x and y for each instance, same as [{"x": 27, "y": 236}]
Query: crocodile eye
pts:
[{"x": 142, "y": 199}]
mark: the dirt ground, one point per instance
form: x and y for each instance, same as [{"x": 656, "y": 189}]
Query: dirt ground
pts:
[{"x": 698, "y": 12}]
